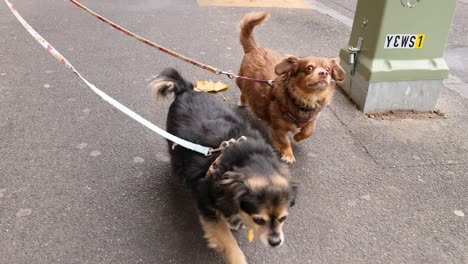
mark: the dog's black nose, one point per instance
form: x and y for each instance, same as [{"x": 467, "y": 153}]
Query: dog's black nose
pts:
[{"x": 274, "y": 241}]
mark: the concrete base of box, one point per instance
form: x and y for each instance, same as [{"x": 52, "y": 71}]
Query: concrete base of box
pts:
[{"x": 379, "y": 97}]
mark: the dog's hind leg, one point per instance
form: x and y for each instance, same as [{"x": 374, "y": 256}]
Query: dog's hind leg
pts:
[
  {"x": 219, "y": 237},
  {"x": 242, "y": 101}
]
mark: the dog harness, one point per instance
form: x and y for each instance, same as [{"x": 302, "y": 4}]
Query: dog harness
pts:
[
  {"x": 299, "y": 122},
  {"x": 223, "y": 146},
  {"x": 213, "y": 166}
]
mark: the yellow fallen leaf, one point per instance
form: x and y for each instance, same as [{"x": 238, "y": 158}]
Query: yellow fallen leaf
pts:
[
  {"x": 210, "y": 86},
  {"x": 219, "y": 86},
  {"x": 251, "y": 235}
]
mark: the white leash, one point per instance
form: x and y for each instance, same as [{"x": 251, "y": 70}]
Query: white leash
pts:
[{"x": 186, "y": 144}]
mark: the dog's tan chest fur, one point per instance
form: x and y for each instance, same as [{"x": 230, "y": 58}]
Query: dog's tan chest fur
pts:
[{"x": 315, "y": 99}]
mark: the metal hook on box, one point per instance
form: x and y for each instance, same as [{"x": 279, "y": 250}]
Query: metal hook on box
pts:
[{"x": 353, "y": 54}]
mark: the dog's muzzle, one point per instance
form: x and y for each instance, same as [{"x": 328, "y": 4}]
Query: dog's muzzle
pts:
[{"x": 274, "y": 241}]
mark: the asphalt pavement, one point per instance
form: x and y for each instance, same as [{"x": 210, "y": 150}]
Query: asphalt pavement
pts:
[{"x": 82, "y": 183}]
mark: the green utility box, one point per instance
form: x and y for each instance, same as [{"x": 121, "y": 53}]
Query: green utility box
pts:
[{"x": 394, "y": 60}]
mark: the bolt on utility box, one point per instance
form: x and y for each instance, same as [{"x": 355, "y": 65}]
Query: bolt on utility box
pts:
[{"x": 394, "y": 59}]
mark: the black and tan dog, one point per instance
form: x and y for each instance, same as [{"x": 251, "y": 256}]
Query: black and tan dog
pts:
[{"x": 246, "y": 183}]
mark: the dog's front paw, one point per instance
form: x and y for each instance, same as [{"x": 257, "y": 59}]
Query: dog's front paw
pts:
[
  {"x": 242, "y": 101},
  {"x": 298, "y": 137},
  {"x": 302, "y": 135},
  {"x": 235, "y": 257},
  {"x": 288, "y": 158}
]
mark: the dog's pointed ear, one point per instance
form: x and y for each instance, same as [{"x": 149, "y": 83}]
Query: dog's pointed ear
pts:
[
  {"x": 337, "y": 73},
  {"x": 231, "y": 187},
  {"x": 290, "y": 64}
]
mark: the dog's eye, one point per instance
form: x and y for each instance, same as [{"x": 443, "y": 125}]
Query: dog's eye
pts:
[
  {"x": 310, "y": 68},
  {"x": 259, "y": 221},
  {"x": 282, "y": 219},
  {"x": 328, "y": 69}
]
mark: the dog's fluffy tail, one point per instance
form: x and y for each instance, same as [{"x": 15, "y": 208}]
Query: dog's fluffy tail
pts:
[
  {"x": 248, "y": 23},
  {"x": 169, "y": 81}
]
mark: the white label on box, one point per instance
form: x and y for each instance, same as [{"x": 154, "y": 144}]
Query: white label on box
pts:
[{"x": 404, "y": 41}]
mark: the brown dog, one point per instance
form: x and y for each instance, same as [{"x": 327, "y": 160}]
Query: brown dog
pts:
[{"x": 302, "y": 87}]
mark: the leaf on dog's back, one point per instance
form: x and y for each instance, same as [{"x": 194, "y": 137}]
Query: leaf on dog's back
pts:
[{"x": 210, "y": 86}]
